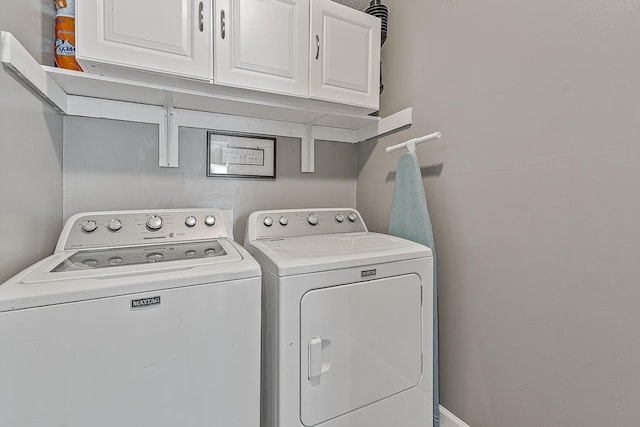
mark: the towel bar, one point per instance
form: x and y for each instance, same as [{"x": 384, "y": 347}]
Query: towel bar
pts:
[{"x": 411, "y": 144}]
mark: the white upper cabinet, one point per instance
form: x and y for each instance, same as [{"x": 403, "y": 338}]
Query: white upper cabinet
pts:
[
  {"x": 162, "y": 36},
  {"x": 262, "y": 44},
  {"x": 345, "y": 55},
  {"x": 315, "y": 49}
]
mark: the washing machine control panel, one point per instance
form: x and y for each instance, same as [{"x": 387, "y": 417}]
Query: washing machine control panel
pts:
[
  {"x": 302, "y": 222},
  {"x": 125, "y": 228}
]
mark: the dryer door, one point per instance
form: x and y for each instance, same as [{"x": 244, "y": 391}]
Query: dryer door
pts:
[{"x": 360, "y": 343}]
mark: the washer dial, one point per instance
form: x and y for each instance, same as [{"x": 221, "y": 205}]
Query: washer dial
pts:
[
  {"x": 114, "y": 224},
  {"x": 352, "y": 217},
  {"x": 89, "y": 226},
  {"x": 267, "y": 221},
  {"x": 116, "y": 260},
  {"x": 91, "y": 263},
  {"x": 283, "y": 221},
  {"x": 339, "y": 217},
  {"x": 210, "y": 220},
  {"x": 190, "y": 221},
  {"x": 313, "y": 219},
  {"x": 155, "y": 257},
  {"x": 154, "y": 223}
]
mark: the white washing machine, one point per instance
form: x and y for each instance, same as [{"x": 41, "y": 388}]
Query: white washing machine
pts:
[
  {"x": 347, "y": 321},
  {"x": 139, "y": 318}
]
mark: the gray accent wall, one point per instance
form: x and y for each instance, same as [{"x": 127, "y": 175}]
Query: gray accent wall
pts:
[
  {"x": 355, "y": 4},
  {"x": 30, "y": 148},
  {"x": 114, "y": 165},
  {"x": 533, "y": 192}
]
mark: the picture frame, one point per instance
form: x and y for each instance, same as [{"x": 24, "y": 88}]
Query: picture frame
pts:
[{"x": 241, "y": 155}]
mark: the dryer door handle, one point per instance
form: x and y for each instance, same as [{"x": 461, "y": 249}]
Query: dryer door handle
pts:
[{"x": 319, "y": 357}]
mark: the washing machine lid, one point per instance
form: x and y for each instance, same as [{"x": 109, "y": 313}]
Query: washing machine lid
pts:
[
  {"x": 70, "y": 276},
  {"x": 97, "y": 259},
  {"x": 308, "y": 254}
]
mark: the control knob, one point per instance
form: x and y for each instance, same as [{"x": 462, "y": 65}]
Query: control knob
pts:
[
  {"x": 91, "y": 263},
  {"x": 352, "y": 217},
  {"x": 89, "y": 226},
  {"x": 210, "y": 220},
  {"x": 313, "y": 219},
  {"x": 283, "y": 221},
  {"x": 267, "y": 221},
  {"x": 190, "y": 221},
  {"x": 210, "y": 252},
  {"x": 339, "y": 217},
  {"x": 116, "y": 260},
  {"x": 154, "y": 223},
  {"x": 155, "y": 257},
  {"x": 114, "y": 224}
]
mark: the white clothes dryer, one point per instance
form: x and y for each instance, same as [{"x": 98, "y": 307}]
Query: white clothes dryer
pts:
[
  {"x": 347, "y": 321},
  {"x": 139, "y": 318}
]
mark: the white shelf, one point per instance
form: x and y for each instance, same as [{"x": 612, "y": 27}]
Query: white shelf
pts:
[{"x": 172, "y": 103}]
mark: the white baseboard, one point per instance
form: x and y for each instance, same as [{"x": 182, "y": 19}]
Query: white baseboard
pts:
[{"x": 447, "y": 419}]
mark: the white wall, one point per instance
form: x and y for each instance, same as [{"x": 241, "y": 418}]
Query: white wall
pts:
[
  {"x": 30, "y": 148},
  {"x": 533, "y": 193},
  {"x": 114, "y": 165}
]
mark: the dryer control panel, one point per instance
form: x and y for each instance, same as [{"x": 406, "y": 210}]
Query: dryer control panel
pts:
[
  {"x": 274, "y": 224},
  {"x": 145, "y": 227}
]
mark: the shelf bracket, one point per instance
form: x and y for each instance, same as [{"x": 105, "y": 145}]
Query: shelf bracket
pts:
[
  {"x": 308, "y": 147},
  {"x": 307, "y": 150},
  {"x": 168, "y": 136}
]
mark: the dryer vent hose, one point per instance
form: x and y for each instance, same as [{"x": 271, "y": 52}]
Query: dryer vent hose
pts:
[{"x": 376, "y": 8}]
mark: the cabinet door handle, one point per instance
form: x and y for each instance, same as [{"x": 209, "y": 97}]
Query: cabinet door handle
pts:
[
  {"x": 317, "y": 47},
  {"x": 223, "y": 25},
  {"x": 201, "y": 16}
]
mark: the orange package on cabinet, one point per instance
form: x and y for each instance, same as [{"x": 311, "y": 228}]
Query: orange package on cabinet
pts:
[{"x": 66, "y": 35}]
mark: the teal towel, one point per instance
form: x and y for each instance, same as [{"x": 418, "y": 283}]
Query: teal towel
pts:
[{"x": 410, "y": 220}]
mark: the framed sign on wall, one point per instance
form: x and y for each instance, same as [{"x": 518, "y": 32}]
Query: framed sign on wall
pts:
[{"x": 237, "y": 155}]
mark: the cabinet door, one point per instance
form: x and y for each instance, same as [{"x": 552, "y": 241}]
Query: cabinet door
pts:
[
  {"x": 163, "y": 36},
  {"x": 345, "y": 55},
  {"x": 262, "y": 44}
]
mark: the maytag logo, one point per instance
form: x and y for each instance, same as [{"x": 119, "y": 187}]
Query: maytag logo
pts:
[
  {"x": 368, "y": 273},
  {"x": 145, "y": 302}
]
